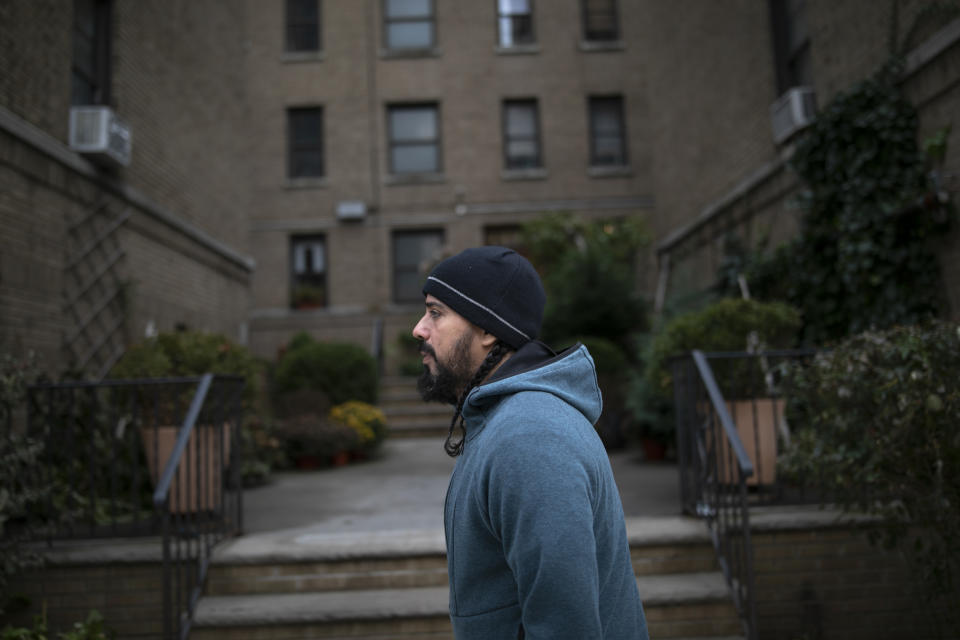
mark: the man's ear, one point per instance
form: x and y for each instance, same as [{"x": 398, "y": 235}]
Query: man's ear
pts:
[{"x": 487, "y": 339}]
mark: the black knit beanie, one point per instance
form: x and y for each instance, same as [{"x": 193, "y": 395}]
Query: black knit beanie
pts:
[{"x": 495, "y": 288}]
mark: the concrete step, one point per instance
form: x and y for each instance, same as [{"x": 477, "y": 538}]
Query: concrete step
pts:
[
  {"x": 415, "y": 558},
  {"x": 406, "y": 412},
  {"x": 677, "y": 606}
]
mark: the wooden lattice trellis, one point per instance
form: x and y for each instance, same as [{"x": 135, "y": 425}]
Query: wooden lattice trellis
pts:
[{"x": 94, "y": 292}]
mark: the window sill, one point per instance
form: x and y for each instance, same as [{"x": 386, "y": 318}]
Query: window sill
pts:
[
  {"x": 598, "y": 46},
  {"x": 398, "y": 179},
  {"x": 622, "y": 171},
  {"x": 306, "y": 183},
  {"x": 302, "y": 56},
  {"x": 401, "y": 54},
  {"x": 517, "y": 49},
  {"x": 538, "y": 173}
]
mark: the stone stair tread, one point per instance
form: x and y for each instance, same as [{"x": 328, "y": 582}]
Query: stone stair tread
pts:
[
  {"x": 421, "y": 602},
  {"x": 423, "y": 409},
  {"x": 304, "y": 545},
  {"x": 682, "y": 588},
  {"x": 318, "y": 607}
]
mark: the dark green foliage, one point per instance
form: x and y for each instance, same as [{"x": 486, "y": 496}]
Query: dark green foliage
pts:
[
  {"x": 723, "y": 326},
  {"x": 588, "y": 273},
  {"x": 877, "y": 427},
  {"x": 93, "y": 628},
  {"x": 862, "y": 259},
  {"x": 188, "y": 353},
  {"x": 341, "y": 371}
]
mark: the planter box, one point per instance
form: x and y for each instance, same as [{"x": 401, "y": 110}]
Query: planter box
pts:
[
  {"x": 761, "y": 447},
  {"x": 188, "y": 492}
]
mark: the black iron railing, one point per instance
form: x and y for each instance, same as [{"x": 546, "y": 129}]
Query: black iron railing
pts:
[
  {"x": 155, "y": 457},
  {"x": 730, "y": 426}
]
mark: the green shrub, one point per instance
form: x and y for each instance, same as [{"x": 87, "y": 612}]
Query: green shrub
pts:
[
  {"x": 189, "y": 353},
  {"x": 92, "y": 628},
  {"x": 342, "y": 371},
  {"x": 876, "y": 427},
  {"x": 588, "y": 273},
  {"x": 722, "y": 326}
]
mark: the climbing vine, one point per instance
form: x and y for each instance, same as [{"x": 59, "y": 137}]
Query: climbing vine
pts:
[{"x": 863, "y": 258}]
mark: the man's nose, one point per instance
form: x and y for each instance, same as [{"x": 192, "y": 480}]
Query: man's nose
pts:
[{"x": 418, "y": 331}]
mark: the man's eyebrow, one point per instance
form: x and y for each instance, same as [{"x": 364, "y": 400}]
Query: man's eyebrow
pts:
[{"x": 435, "y": 305}]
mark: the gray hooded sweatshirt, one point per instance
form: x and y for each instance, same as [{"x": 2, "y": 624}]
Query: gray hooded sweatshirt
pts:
[{"x": 536, "y": 541}]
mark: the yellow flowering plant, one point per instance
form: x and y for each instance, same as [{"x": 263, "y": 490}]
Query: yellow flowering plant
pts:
[{"x": 365, "y": 419}]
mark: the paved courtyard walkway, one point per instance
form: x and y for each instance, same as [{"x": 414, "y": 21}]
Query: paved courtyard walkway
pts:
[{"x": 404, "y": 487}]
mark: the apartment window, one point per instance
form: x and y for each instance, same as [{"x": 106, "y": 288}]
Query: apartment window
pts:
[
  {"x": 305, "y": 142},
  {"x": 414, "y": 254},
  {"x": 608, "y": 140},
  {"x": 409, "y": 24},
  {"x": 90, "y": 72},
  {"x": 515, "y": 22},
  {"x": 521, "y": 134},
  {"x": 308, "y": 272},
  {"x": 791, "y": 44},
  {"x": 600, "y": 20},
  {"x": 303, "y": 25},
  {"x": 414, "y": 132}
]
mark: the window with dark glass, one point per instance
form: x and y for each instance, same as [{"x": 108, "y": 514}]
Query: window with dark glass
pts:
[
  {"x": 608, "y": 146},
  {"x": 521, "y": 134},
  {"x": 414, "y": 254},
  {"x": 303, "y": 25},
  {"x": 414, "y": 131},
  {"x": 308, "y": 272},
  {"x": 791, "y": 44},
  {"x": 600, "y": 20},
  {"x": 90, "y": 71},
  {"x": 305, "y": 142},
  {"x": 515, "y": 22},
  {"x": 408, "y": 24}
]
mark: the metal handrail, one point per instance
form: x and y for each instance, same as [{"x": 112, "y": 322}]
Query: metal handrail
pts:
[
  {"x": 190, "y": 566},
  {"x": 161, "y": 494},
  {"x": 716, "y": 398},
  {"x": 722, "y": 505}
]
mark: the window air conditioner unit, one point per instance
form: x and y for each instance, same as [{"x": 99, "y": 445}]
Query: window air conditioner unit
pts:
[
  {"x": 792, "y": 111},
  {"x": 96, "y": 132},
  {"x": 351, "y": 210}
]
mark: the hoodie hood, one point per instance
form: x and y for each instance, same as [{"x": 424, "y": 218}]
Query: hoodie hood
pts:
[{"x": 569, "y": 375}]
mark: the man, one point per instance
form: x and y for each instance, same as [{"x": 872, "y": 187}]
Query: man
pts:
[{"x": 536, "y": 541}]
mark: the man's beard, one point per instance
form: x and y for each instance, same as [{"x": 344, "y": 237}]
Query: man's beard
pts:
[{"x": 451, "y": 378}]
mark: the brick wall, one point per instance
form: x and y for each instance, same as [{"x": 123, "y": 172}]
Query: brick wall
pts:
[
  {"x": 128, "y": 596},
  {"x": 824, "y": 583}
]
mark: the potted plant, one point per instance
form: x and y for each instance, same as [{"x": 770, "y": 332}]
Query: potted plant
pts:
[
  {"x": 312, "y": 441},
  {"x": 364, "y": 419},
  {"x": 181, "y": 354},
  {"x": 725, "y": 325},
  {"x": 307, "y": 296}
]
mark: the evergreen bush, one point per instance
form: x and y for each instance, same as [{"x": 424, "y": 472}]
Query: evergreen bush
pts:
[
  {"x": 876, "y": 426},
  {"x": 722, "y": 326},
  {"x": 341, "y": 371}
]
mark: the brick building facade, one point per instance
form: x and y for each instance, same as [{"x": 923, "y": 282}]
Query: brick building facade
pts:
[
  {"x": 297, "y": 164},
  {"x": 719, "y": 168},
  {"x": 506, "y": 95},
  {"x": 96, "y": 255}
]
